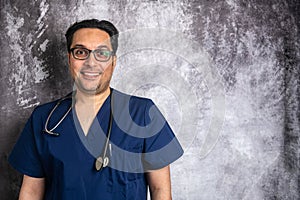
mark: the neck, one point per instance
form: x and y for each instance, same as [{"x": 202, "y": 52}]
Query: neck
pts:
[
  {"x": 95, "y": 100},
  {"x": 87, "y": 107}
]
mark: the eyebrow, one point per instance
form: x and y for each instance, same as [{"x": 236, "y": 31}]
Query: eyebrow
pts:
[
  {"x": 100, "y": 46},
  {"x": 79, "y": 45}
]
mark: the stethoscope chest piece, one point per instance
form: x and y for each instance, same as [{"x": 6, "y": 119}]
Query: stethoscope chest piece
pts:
[{"x": 100, "y": 163}]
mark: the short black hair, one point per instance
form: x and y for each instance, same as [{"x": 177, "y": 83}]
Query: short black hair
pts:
[{"x": 103, "y": 25}]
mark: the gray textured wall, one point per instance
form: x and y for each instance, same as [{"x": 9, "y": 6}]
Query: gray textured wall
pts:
[{"x": 225, "y": 74}]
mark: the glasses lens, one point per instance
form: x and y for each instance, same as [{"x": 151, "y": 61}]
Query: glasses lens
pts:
[
  {"x": 80, "y": 53},
  {"x": 102, "y": 54}
]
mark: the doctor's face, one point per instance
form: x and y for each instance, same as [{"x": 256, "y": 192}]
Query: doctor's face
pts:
[{"x": 91, "y": 74}]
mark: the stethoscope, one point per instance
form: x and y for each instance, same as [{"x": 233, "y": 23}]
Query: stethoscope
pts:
[{"x": 101, "y": 161}]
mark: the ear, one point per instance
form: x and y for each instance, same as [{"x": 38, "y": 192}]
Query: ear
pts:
[
  {"x": 69, "y": 57},
  {"x": 114, "y": 61}
]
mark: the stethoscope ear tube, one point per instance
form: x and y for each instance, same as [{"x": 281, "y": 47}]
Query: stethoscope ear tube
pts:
[{"x": 50, "y": 132}]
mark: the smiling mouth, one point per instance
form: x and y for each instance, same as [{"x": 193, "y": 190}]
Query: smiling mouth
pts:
[{"x": 91, "y": 74}]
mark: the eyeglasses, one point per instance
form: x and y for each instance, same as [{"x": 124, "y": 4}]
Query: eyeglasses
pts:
[{"x": 80, "y": 53}]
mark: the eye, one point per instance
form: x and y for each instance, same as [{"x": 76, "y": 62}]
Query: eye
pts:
[
  {"x": 81, "y": 53},
  {"x": 103, "y": 54}
]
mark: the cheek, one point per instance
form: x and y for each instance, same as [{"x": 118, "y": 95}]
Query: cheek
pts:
[
  {"x": 108, "y": 69},
  {"x": 74, "y": 68},
  {"x": 109, "y": 73}
]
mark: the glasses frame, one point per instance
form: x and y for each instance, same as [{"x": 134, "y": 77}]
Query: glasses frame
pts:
[{"x": 90, "y": 51}]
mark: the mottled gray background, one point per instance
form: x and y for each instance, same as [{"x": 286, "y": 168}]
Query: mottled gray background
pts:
[{"x": 232, "y": 88}]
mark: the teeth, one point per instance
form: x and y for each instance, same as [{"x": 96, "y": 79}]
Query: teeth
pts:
[{"x": 91, "y": 73}]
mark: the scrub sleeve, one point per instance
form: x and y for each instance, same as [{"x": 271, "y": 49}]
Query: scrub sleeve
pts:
[
  {"x": 24, "y": 157},
  {"x": 163, "y": 148}
]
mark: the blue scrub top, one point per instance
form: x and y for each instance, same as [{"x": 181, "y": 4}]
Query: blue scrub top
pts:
[{"x": 141, "y": 140}]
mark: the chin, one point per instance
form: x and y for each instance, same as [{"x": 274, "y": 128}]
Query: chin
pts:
[
  {"x": 92, "y": 89},
  {"x": 87, "y": 90}
]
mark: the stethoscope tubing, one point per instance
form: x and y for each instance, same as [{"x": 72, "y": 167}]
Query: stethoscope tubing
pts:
[{"x": 101, "y": 161}]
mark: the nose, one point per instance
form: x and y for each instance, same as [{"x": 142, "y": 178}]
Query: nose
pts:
[
  {"x": 93, "y": 63},
  {"x": 91, "y": 60}
]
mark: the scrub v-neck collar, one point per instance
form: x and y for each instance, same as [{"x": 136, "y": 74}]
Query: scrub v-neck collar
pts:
[{"x": 93, "y": 141}]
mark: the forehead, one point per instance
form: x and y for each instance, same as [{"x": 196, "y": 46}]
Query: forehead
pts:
[{"x": 91, "y": 37}]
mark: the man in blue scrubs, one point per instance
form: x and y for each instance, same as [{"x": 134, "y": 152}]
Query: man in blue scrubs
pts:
[{"x": 99, "y": 143}]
